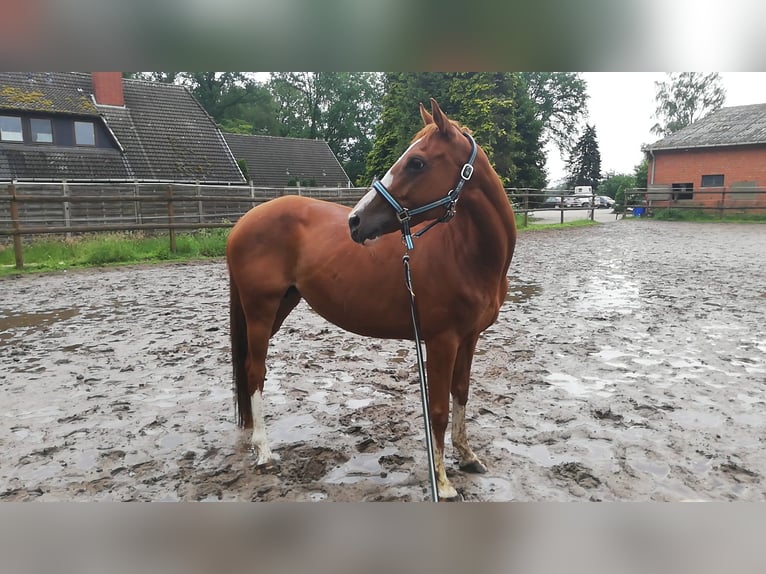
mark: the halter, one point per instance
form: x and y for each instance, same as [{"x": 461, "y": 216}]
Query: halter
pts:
[{"x": 450, "y": 200}]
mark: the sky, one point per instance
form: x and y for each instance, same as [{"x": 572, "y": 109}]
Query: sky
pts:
[{"x": 621, "y": 106}]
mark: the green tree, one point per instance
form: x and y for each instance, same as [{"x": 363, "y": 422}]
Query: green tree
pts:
[
  {"x": 495, "y": 106},
  {"x": 584, "y": 165},
  {"x": 614, "y": 185},
  {"x": 341, "y": 108},
  {"x": 641, "y": 174},
  {"x": 684, "y": 98},
  {"x": 561, "y": 104}
]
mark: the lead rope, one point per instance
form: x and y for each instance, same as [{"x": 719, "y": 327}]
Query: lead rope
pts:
[{"x": 423, "y": 380}]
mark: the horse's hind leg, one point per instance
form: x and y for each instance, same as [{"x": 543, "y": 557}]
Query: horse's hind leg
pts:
[
  {"x": 261, "y": 326},
  {"x": 461, "y": 379}
]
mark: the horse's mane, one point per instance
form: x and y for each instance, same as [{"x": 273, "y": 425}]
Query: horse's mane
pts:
[{"x": 428, "y": 128}]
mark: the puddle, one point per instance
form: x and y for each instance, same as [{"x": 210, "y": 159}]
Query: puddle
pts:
[
  {"x": 613, "y": 292},
  {"x": 365, "y": 466},
  {"x": 578, "y": 387},
  {"x": 10, "y": 322},
  {"x": 696, "y": 420},
  {"x": 658, "y": 470}
]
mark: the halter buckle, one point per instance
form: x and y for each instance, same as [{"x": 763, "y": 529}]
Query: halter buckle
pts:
[
  {"x": 466, "y": 172},
  {"x": 403, "y": 216}
]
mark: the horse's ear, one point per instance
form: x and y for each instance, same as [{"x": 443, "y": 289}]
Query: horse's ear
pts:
[
  {"x": 427, "y": 118},
  {"x": 440, "y": 118}
]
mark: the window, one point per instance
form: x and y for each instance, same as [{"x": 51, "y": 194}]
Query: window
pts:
[
  {"x": 84, "y": 133},
  {"x": 10, "y": 129},
  {"x": 42, "y": 131},
  {"x": 712, "y": 181},
  {"x": 683, "y": 191}
]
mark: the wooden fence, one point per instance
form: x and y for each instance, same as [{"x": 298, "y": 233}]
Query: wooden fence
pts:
[
  {"x": 34, "y": 208},
  {"x": 710, "y": 200}
]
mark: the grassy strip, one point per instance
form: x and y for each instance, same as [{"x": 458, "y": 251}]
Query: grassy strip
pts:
[
  {"x": 542, "y": 226},
  {"x": 702, "y": 216},
  {"x": 112, "y": 249}
]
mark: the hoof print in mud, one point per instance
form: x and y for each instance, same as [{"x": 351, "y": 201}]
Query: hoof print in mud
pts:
[{"x": 577, "y": 473}]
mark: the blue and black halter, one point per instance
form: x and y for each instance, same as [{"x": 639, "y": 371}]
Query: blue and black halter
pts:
[{"x": 450, "y": 200}]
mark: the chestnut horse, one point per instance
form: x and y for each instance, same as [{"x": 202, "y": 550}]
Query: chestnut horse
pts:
[{"x": 294, "y": 247}]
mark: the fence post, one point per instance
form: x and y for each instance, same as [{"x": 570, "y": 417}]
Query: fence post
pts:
[
  {"x": 526, "y": 207},
  {"x": 67, "y": 207},
  {"x": 723, "y": 202},
  {"x": 16, "y": 227},
  {"x": 171, "y": 220},
  {"x": 199, "y": 203},
  {"x": 137, "y": 203}
]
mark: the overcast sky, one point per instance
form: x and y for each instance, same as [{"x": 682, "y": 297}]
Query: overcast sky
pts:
[{"x": 621, "y": 106}]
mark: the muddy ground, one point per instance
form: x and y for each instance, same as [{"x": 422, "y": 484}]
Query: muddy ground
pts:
[{"x": 629, "y": 363}]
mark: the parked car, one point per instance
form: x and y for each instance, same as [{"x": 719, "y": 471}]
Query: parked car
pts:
[
  {"x": 578, "y": 200},
  {"x": 603, "y": 201},
  {"x": 552, "y": 201}
]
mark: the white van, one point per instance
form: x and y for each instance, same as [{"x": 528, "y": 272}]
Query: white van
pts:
[{"x": 583, "y": 190}]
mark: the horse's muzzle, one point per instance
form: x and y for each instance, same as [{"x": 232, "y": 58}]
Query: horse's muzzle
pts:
[{"x": 354, "y": 223}]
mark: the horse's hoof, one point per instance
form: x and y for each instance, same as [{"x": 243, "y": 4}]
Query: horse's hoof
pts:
[
  {"x": 458, "y": 497},
  {"x": 474, "y": 467}
]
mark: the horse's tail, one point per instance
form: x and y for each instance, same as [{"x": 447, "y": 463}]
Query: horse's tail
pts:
[{"x": 238, "y": 332}]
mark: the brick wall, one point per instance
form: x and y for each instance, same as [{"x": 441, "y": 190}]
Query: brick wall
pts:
[{"x": 737, "y": 164}]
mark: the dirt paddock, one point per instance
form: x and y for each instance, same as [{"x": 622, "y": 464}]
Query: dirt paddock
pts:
[{"x": 629, "y": 363}]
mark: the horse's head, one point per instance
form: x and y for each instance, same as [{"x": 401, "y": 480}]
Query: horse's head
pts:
[{"x": 422, "y": 185}]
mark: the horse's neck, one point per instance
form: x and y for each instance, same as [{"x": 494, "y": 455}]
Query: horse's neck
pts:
[{"x": 487, "y": 211}]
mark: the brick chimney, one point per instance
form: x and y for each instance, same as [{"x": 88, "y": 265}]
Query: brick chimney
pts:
[{"x": 107, "y": 88}]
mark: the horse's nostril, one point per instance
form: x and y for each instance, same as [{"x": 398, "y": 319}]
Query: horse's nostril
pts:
[{"x": 353, "y": 221}]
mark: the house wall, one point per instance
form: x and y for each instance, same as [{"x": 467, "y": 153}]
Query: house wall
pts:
[{"x": 741, "y": 167}]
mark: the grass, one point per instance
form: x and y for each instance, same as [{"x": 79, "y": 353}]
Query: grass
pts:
[
  {"x": 702, "y": 216},
  {"x": 542, "y": 226},
  {"x": 113, "y": 249}
]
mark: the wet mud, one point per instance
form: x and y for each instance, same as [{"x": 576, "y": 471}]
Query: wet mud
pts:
[{"x": 629, "y": 363}]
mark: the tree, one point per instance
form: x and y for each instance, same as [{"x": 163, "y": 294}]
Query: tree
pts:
[
  {"x": 561, "y": 104},
  {"x": 614, "y": 185},
  {"x": 495, "y": 106},
  {"x": 584, "y": 165},
  {"x": 341, "y": 108},
  {"x": 685, "y": 98},
  {"x": 641, "y": 174}
]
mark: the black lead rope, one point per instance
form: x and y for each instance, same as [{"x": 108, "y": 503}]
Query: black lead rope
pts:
[
  {"x": 423, "y": 380},
  {"x": 404, "y": 215}
]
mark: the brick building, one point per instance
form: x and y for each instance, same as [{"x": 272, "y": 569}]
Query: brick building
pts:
[{"x": 716, "y": 162}]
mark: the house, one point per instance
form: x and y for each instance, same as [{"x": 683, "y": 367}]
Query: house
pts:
[
  {"x": 280, "y": 162},
  {"x": 99, "y": 126},
  {"x": 716, "y": 162}
]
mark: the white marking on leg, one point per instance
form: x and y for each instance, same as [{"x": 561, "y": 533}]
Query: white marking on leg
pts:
[
  {"x": 459, "y": 437},
  {"x": 466, "y": 456},
  {"x": 443, "y": 485},
  {"x": 260, "y": 440}
]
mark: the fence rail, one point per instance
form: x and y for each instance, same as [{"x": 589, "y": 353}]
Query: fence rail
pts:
[{"x": 30, "y": 208}]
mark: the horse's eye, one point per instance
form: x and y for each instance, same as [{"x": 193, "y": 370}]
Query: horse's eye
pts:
[{"x": 416, "y": 164}]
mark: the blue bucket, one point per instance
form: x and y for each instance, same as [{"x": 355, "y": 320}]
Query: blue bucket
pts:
[{"x": 638, "y": 211}]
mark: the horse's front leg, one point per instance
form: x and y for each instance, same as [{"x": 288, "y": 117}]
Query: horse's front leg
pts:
[
  {"x": 441, "y": 361},
  {"x": 461, "y": 379}
]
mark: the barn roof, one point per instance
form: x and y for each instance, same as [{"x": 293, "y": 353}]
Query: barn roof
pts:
[
  {"x": 278, "y": 161},
  {"x": 732, "y": 126},
  {"x": 163, "y": 131}
]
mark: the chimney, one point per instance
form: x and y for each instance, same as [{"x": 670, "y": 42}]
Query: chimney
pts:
[{"x": 107, "y": 88}]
